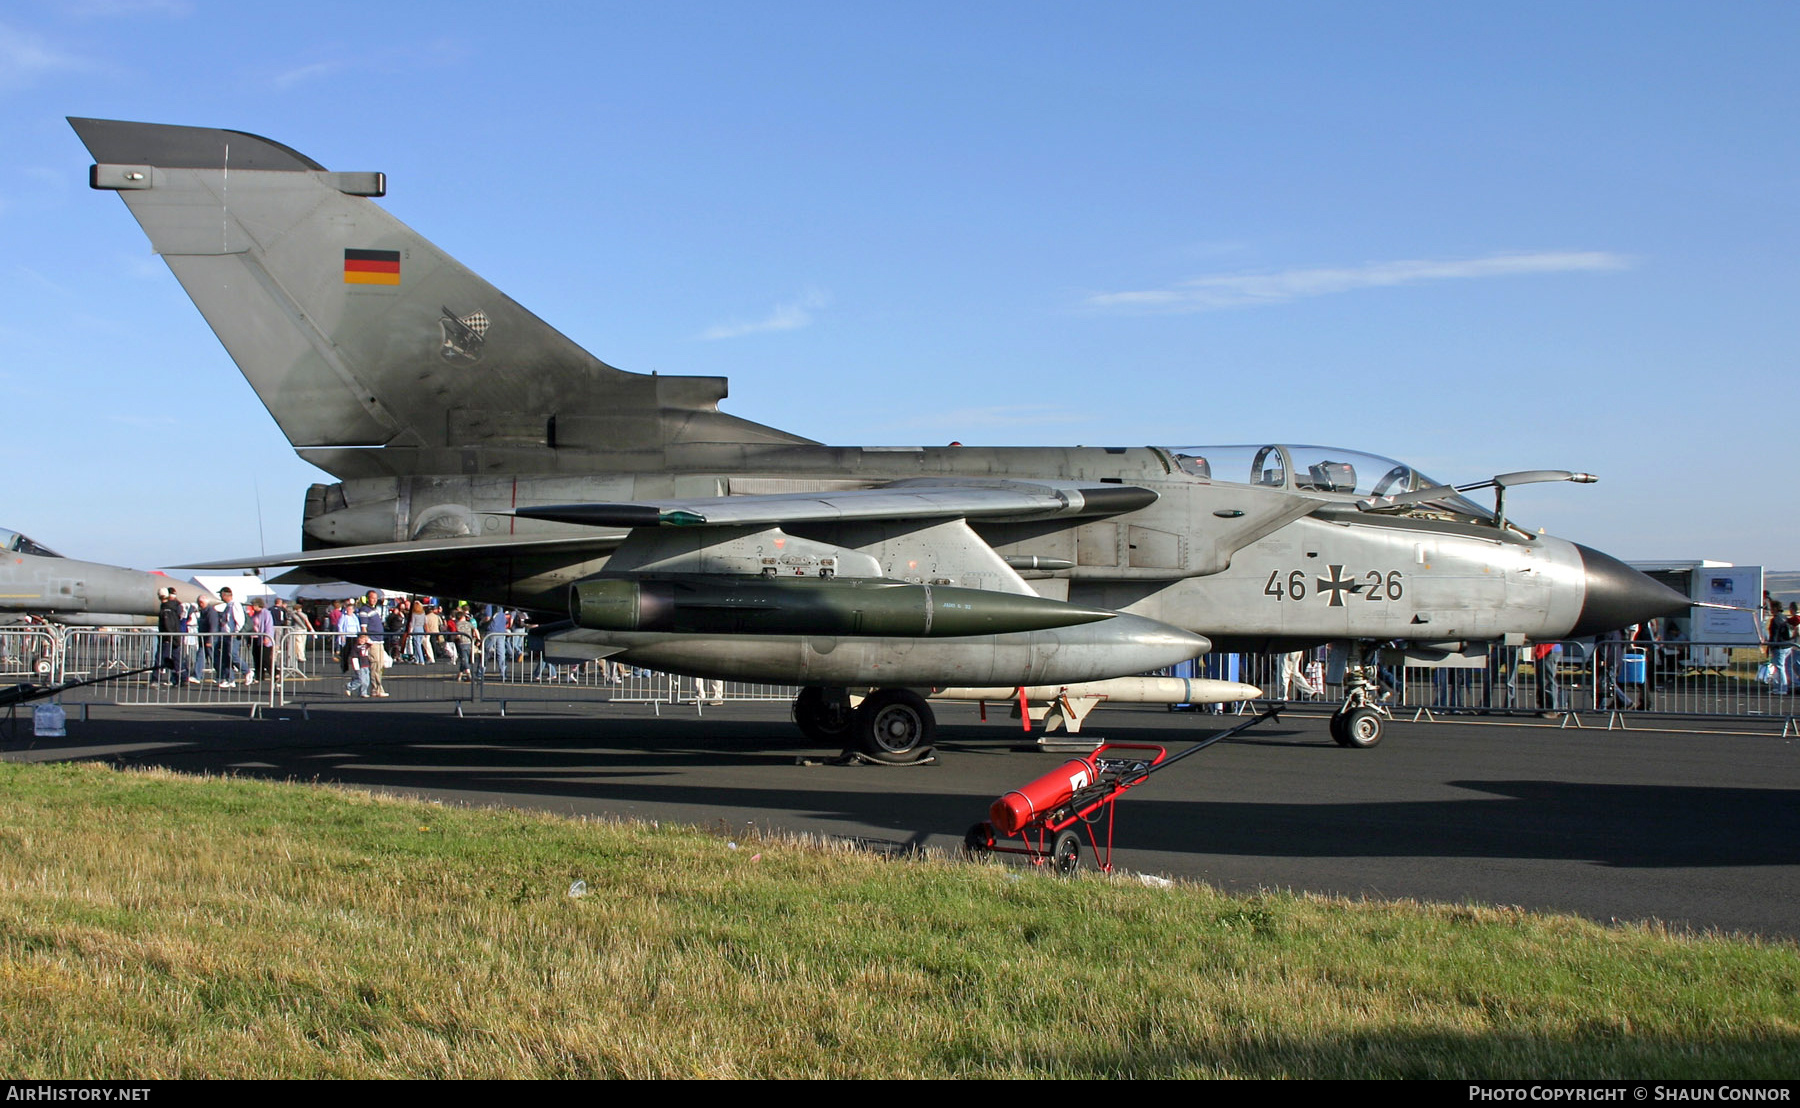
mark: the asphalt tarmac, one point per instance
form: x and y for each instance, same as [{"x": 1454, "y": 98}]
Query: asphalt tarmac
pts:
[{"x": 1700, "y": 831}]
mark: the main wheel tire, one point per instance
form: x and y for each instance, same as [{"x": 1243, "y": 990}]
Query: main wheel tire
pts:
[
  {"x": 1065, "y": 852},
  {"x": 821, "y": 716},
  {"x": 1359, "y": 728},
  {"x": 978, "y": 840},
  {"x": 894, "y": 726}
]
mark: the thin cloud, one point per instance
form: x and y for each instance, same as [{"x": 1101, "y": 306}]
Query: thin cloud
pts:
[
  {"x": 390, "y": 59},
  {"x": 1209, "y": 294},
  {"x": 25, "y": 57},
  {"x": 786, "y": 317},
  {"x": 302, "y": 74}
]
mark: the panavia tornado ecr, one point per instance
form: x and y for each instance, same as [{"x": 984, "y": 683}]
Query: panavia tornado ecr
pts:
[
  {"x": 482, "y": 454},
  {"x": 37, "y": 581}
]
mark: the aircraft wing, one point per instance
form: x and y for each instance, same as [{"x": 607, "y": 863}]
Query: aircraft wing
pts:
[
  {"x": 921, "y": 499},
  {"x": 387, "y": 552},
  {"x": 527, "y": 571}
]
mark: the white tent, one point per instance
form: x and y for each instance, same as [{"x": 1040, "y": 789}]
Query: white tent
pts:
[
  {"x": 342, "y": 590},
  {"x": 243, "y": 586}
]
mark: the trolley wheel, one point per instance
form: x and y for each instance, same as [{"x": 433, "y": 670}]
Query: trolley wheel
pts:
[
  {"x": 978, "y": 840},
  {"x": 42, "y": 666},
  {"x": 895, "y": 726},
  {"x": 1359, "y": 728},
  {"x": 822, "y": 716},
  {"x": 1065, "y": 852}
]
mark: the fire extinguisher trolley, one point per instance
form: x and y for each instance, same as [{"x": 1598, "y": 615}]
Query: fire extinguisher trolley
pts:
[{"x": 1039, "y": 820}]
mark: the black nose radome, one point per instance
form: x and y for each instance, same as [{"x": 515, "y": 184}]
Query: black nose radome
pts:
[{"x": 1618, "y": 596}]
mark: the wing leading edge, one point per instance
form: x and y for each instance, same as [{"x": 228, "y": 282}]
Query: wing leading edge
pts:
[{"x": 1013, "y": 500}]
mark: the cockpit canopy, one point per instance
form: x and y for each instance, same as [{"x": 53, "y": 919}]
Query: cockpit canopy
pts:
[
  {"x": 21, "y": 544},
  {"x": 1327, "y": 469}
]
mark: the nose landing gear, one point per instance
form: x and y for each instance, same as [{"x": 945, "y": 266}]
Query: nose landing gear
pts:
[{"x": 1358, "y": 723}]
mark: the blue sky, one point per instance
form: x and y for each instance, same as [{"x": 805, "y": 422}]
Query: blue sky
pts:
[{"x": 1477, "y": 238}]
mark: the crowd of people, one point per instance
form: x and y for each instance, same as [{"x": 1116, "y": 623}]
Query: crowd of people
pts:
[
  {"x": 371, "y": 634},
  {"x": 228, "y": 642},
  {"x": 225, "y": 641}
]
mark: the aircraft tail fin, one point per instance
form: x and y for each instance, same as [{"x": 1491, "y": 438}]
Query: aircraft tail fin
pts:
[{"x": 357, "y": 332}]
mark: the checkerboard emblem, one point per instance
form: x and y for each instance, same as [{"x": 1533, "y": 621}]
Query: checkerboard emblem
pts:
[{"x": 464, "y": 336}]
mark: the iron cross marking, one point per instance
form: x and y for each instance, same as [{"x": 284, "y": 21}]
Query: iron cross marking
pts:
[{"x": 1338, "y": 586}]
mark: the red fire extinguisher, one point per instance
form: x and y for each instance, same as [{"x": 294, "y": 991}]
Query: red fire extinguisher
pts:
[{"x": 1017, "y": 808}]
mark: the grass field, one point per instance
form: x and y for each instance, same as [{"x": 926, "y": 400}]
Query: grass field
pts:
[{"x": 159, "y": 926}]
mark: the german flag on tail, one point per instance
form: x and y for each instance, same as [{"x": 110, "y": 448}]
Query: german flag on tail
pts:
[{"x": 371, "y": 267}]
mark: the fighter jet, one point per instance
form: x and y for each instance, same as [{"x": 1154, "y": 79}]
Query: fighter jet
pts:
[
  {"x": 482, "y": 454},
  {"x": 35, "y": 580}
]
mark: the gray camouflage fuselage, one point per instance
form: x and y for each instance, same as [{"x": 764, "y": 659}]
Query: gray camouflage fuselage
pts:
[
  {"x": 1422, "y": 580},
  {"x": 83, "y": 594},
  {"x": 447, "y": 410}
]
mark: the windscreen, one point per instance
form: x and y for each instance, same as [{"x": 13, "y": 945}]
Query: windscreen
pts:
[
  {"x": 1326, "y": 469},
  {"x": 22, "y": 544}
]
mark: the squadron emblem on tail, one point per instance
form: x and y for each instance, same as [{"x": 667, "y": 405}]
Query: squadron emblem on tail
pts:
[{"x": 464, "y": 336}]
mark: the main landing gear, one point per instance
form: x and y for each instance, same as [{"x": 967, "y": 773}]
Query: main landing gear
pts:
[
  {"x": 895, "y": 726},
  {"x": 1358, "y": 722}
]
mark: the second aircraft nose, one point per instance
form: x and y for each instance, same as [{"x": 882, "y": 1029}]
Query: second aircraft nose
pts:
[{"x": 1618, "y": 596}]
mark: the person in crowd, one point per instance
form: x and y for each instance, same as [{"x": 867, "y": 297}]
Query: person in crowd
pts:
[
  {"x": 1500, "y": 681},
  {"x": 168, "y": 625},
  {"x": 368, "y": 613},
  {"x": 295, "y": 628},
  {"x": 369, "y": 616},
  {"x": 193, "y": 645},
  {"x": 1609, "y": 659},
  {"x": 348, "y": 625},
  {"x": 1545, "y": 656},
  {"x": 542, "y": 670},
  {"x": 262, "y": 641},
  {"x": 1793, "y": 622},
  {"x": 498, "y": 639},
  {"x": 1648, "y": 641},
  {"x": 421, "y": 643},
  {"x": 228, "y": 624},
  {"x": 393, "y": 628},
  {"x": 358, "y": 664},
  {"x": 434, "y": 630},
  {"x": 1781, "y": 650},
  {"x": 466, "y": 638},
  {"x": 1448, "y": 683},
  {"x": 1290, "y": 673},
  {"x": 448, "y": 640}
]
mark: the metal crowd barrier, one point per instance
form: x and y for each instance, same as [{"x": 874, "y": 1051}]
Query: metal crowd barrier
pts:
[
  {"x": 29, "y": 654},
  {"x": 1618, "y": 680},
  {"x": 501, "y": 668},
  {"x": 526, "y": 675},
  {"x": 230, "y": 669}
]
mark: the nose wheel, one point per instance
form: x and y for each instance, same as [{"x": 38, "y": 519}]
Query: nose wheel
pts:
[
  {"x": 1358, "y": 723},
  {"x": 1356, "y": 727}
]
